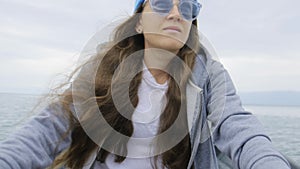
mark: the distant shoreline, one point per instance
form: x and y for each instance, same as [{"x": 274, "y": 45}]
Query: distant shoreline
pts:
[
  {"x": 270, "y": 105},
  {"x": 263, "y": 99},
  {"x": 29, "y": 94}
]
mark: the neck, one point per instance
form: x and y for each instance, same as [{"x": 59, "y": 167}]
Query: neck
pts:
[{"x": 157, "y": 61}]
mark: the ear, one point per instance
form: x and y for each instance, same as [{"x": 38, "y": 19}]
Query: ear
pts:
[{"x": 139, "y": 26}]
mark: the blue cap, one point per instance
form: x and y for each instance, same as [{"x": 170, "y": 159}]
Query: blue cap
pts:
[{"x": 137, "y": 4}]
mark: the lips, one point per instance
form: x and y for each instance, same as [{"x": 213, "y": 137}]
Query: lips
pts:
[{"x": 172, "y": 28}]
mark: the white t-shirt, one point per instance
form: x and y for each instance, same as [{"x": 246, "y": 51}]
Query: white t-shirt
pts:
[{"x": 152, "y": 101}]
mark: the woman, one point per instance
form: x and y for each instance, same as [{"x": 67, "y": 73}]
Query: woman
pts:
[{"x": 150, "y": 98}]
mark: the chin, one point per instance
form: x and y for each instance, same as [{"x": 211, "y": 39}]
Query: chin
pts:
[
  {"x": 171, "y": 44},
  {"x": 173, "y": 48}
]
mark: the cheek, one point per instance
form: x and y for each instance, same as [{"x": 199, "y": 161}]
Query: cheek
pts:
[
  {"x": 187, "y": 28},
  {"x": 151, "y": 23}
]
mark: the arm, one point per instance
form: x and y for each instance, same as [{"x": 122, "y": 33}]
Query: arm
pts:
[
  {"x": 33, "y": 146},
  {"x": 236, "y": 132}
]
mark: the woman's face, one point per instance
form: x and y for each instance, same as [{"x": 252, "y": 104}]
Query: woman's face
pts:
[{"x": 168, "y": 32}]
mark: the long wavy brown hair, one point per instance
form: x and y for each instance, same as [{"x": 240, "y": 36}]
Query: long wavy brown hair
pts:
[{"x": 110, "y": 57}]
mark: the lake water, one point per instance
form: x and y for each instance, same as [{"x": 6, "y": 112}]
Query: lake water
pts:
[{"x": 281, "y": 123}]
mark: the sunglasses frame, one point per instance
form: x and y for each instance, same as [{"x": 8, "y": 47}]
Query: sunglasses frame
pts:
[{"x": 197, "y": 4}]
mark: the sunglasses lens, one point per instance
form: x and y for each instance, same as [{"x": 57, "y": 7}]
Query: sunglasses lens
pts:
[
  {"x": 189, "y": 10},
  {"x": 161, "y": 6}
]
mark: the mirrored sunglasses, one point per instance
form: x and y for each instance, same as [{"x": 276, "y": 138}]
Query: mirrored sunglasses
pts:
[{"x": 188, "y": 9}]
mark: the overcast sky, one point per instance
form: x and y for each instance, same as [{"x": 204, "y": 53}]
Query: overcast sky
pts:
[{"x": 257, "y": 41}]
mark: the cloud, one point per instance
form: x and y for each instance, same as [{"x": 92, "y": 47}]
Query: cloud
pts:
[
  {"x": 261, "y": 27},
  {"x": 42, "y": 39},
  {"x": 264, "y": 73},
  {"x": 35, "y": 75},
  {"x": 58, "y": 24},
  {"x": 255, "y": 39}
]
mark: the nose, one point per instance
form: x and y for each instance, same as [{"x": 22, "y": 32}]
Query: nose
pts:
[{"x": 174, "y": 14}]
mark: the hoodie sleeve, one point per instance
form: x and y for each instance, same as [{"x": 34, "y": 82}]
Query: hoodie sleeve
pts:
[
  {"x": 236, "y": 132},
  {"x": 34, "y": 145}
]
